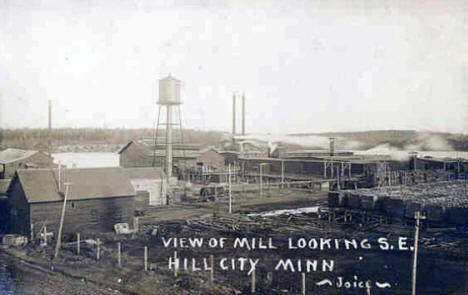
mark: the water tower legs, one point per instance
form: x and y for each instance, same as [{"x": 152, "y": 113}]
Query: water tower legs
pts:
[{"x": 169, "y": 141}]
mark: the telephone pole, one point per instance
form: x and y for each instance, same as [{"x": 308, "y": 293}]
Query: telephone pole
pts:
[
  {"x": 418, "y": 217},
  {"x": 62, "y": 217},
  {"x": 49, "y": 135}
]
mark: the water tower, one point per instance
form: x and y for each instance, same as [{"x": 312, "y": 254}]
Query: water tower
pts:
[{"x": 169, "y": 98}]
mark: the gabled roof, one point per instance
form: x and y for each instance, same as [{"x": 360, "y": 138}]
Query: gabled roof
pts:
[
  {"x": 438, "y": 159},
  {"x": 125, "y": 147},
  {"x": 149, "y": 151},
  {"x": 144, "y": 173},
  {"x": 40, "y": 185},
  {"x": 11, "y": 155},
  {"x": 207, "y": 149}
]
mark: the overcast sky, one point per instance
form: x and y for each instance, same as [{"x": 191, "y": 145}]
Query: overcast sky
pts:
[{"x": 305, "y": 66}]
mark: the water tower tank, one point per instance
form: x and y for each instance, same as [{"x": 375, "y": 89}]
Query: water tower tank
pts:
[{"x": 169, "y": 91}]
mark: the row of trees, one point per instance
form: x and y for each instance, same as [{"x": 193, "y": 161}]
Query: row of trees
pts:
[{"x": 38, "y": 138}]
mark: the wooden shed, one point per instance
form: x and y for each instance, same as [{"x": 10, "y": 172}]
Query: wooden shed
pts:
[
  {"x": 12, "y": 159},
  {"x": 98, "y": 198}
]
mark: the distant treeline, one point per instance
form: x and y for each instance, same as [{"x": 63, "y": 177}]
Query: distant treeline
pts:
[
  {"x": 37, "y": 139},
  {"x": 400, "y": 139}
]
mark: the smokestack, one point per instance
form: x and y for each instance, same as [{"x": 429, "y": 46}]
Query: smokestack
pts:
[
  {"x": 332, "y": 146},
  {"x": 233, "y": 114},
  {"x": 243, "y": 113}
]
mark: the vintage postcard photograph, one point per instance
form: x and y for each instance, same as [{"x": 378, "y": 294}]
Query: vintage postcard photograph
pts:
[{"x": 228, "y": 147}]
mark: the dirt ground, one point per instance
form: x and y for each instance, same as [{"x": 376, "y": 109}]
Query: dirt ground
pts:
[{"x": 443, "y": 259}]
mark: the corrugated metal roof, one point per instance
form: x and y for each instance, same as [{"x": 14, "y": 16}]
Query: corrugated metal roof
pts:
[
  {"x": 11, "y": 155},
  {"x": 40, "y": 185},
  {"x": 145, "y": 173}
]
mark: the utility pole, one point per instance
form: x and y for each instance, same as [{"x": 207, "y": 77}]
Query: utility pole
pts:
[
  {"x": 261, "y": 177},
  {"x": 282, "y": 173},
  {"x": 261, "y": 180},
  {"x": 338, "y": 187},
  {"x": 62, "y": 217},
  {"x": 49, "y": 135},
  {"x": 415, "y": 156},
  {"x": 418, "y": 217},
  {"x": 230, "y": 189}
]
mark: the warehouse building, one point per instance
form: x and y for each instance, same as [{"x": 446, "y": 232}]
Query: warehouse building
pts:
[
  {"x": 141, "y": 154},
  {"x": 435, "y": 163},
  {"x": 98, "y": 198}
]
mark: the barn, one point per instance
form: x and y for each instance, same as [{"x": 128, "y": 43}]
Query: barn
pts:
[
  {"x": 97, "y": 199},
  {"x": 140, "y": 154},
  {"x": 12, "y": 159}
]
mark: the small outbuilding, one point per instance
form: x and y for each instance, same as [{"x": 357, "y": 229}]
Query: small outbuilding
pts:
[
  {"x": 97, "y": 199},
  {"x": 150, "y": 184},
  {"x": 211, "y": 158}
]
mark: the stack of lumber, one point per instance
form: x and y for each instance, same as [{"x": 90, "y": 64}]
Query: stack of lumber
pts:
[{"x": 445, "y": 201}]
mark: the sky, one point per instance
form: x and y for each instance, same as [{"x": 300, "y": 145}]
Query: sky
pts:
[{"x": 304, "y": 66}]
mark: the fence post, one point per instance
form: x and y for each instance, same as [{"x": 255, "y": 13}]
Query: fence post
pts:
[
  {"x": 32, "y": 240},
  {"x": 119, "y": 259},
  {"x": 176, "y": 266},
  {"x": 212, "y": 269},
  {"x": 146, "y": 258},
  {"x": 45, "y": 236},
  {"x": 135, "y": 224},
  {"x": 98, "y": 252},
  {"x": 78, "y": 243},
  {"x": 252, "y": 290}
]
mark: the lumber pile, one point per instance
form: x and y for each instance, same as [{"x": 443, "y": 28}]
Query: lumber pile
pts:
[{"x": 445, "y": 201}]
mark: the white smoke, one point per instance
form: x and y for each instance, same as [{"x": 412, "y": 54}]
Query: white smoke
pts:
[
  {"x": 305, "y": 141},
  {"x": 386, "y": 149},
  {"x": 426, "y": 141},
  {"x": 272, "y": 146}
]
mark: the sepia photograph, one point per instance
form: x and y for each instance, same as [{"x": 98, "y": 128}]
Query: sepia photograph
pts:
[{"x": 228, "y": 147}]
